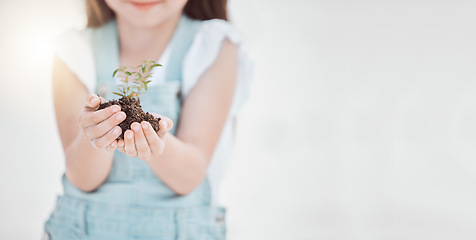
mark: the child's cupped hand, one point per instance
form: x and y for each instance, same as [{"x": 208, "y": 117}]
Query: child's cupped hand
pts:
[
  {"x": 101, "y": 127},
  {"x": 142, "y": 141}
]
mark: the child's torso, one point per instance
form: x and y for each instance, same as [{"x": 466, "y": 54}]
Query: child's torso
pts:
[{"x": 131, "y": 182}]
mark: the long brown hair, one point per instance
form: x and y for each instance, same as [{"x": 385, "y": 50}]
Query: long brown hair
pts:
[{"x": 99, "y": 13}]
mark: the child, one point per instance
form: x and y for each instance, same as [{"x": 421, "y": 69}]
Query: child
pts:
[{"x": 150, "y": 185}]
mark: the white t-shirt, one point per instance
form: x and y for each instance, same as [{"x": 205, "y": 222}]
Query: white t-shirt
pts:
[{"x": 75, "y": 50}]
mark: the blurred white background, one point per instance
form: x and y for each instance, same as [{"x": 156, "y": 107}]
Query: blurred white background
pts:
[{"x": 361, "y": 124}]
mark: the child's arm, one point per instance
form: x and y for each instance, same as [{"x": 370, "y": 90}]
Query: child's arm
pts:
[
  {"x": 84, "y": 132},
  {"x": 182, "y": 161}
]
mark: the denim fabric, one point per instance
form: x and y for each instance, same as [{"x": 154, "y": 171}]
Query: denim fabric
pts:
[
  {"x": 82, "y": 219},
  {"x": 134, "y": 203}
]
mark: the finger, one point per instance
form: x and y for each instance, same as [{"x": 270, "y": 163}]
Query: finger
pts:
[
  {"x": 112, "y": 146},
  {"x": 120, "y": 145},
  {"x": 129, "y": 145},
  {"x": 92, "y": 118},
  {"x": 100, "y": 129},
  {"x": 143, "y": 149},
  {"x": 155, "y": 144},
  {"x": 121, "y": 149},
  {"x": 93, "y": 101},
  {"x": 108, "y": 138},
  {"x": 164, "y": 118},
  {"x": 164, "y": 126},
  {"x": 170, "y": 123}
]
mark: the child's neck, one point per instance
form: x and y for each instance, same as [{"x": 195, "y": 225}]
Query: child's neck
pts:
[{"x": 146, "y": 43}]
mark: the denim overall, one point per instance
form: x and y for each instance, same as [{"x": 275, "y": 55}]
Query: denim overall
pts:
[{"x": 134, "y": 203}]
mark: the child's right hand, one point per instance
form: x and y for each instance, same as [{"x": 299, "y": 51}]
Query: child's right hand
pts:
[{"x": 100, "y": 127}]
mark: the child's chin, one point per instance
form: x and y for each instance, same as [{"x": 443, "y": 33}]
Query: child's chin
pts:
[{"x": 147, "y": 18}]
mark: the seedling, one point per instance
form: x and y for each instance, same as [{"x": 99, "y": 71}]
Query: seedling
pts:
[{"x": 134, "y": 81}]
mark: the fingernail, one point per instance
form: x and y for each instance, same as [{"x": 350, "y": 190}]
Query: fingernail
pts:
[
  {"x": 115, "y": 109},
  {"x": 115, "y": 130},
  {"x": 145, "y": 126},
  {"x": 136, "y": 127},
  {"x": 113, "y": 144},
  {"x": 129, "y": 136},
  {"x": 94, "y": 100},
  {"x": 165, "y": 124},
  {"x": 121, "y": 116}
]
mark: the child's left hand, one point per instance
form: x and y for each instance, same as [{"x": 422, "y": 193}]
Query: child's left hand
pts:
[{"x": 143, "y": 142}]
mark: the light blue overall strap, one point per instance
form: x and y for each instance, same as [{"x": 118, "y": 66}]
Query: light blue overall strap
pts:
[
  {"x": 105, "y": 44},
  {"x": 180, "y": 44}
]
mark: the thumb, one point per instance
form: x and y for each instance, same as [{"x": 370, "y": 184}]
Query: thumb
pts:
[
  {"x": 93, "y": 101},
  {"x": 166, "y": 124}
]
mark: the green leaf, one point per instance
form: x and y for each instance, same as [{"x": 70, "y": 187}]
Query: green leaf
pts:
[
  {"x": 119, "y": 94},
  {"x": 128, "y": 73},
  {"x": 153, "y": 66},
  {"x": 115, "y": 71},
  {"x": 143, "y": 67}
]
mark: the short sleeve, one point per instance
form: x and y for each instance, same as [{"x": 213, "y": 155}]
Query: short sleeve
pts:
[
  {"x": 203, "y": 53},
  {"x": 74, "y": 48}
]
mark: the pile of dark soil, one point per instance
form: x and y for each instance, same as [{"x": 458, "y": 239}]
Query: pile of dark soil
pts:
[{"x": 134, "y": 113}]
